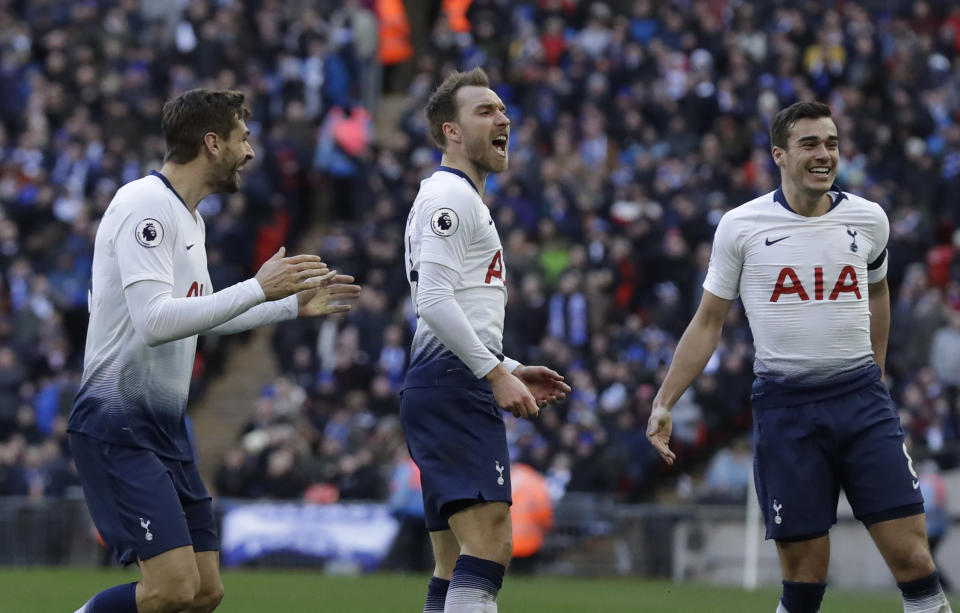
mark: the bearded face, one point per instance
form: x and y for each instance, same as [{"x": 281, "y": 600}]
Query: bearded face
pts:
[
  {"x": 227, "y": 175},
  {"x": 236, "y": 152},
  {"x": 485, "y": 128},
  {"x": 487, "y": 153}
]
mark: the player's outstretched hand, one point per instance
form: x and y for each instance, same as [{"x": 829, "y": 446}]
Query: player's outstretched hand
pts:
[
  {"x": 659, "y": 428},
  {"x": 545, "y": 384},
  {"x": 280, "y": 277},
  {"x": 511, "y": 394},
  {"x": 317, "y": 302}
]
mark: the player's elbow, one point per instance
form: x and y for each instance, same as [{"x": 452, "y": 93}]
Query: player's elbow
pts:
[
  {"x": 426, "y": 309},
  {"x": 149, "y": 332},
  {"x": 706, "y": 325},
  {"x": 150, "y": 339}
]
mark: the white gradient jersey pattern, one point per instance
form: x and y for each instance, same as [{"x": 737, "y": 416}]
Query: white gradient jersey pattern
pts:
[
  {"x": 803, "y": 281},
  {"x": 133, "y": 394},
  {"x": 450, "y": 225}
]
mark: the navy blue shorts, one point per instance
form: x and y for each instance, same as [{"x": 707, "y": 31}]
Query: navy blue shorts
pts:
[
  {"x": 456, "y": 436},
  {"x": 845, "y": 434},
  {"x": 143, "y": 505}
]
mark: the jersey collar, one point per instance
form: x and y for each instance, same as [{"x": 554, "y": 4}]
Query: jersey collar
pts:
[
  {"x": 169, "y": 185},
  {"x": 834, "y": 190},
  {"x": 459, "y": 173}
]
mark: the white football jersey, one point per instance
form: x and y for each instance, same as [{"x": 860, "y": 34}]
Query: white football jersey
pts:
[
  {"x": 803, "y": 281},
  {"x": 450, "y": 225},
  {"x": 131, "y": 393}
]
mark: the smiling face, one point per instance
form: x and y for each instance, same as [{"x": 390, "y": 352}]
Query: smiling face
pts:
[
  {"x": 809, "y": 161},
  {"x": 235, "y": 151},
  {"x": 481, "y": 128}
]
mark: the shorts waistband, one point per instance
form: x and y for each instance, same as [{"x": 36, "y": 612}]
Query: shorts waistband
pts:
[
  {"x": 445, "y": 370},
  {"x": 771, "y": 392}
]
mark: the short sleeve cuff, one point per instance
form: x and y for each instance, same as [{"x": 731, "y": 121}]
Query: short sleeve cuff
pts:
[
  {"x": 877, "y": 269},
  {"x": 877, "y": 274},
  {"x": 718, "y": 290}
]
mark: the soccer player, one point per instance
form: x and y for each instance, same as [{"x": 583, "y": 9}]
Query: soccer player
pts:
[
  {"x": 151, "y": 297},
  {"x": 458, "y": 380},
  {"x": 809, "y": 262}
]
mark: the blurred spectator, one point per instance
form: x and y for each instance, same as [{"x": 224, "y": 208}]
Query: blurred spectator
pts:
[
  {"x": 728, "y": 475},
  {"x": 411, "y": 550},
  {"x": 234, "y": 476},
  {"x": 531, "y": 512},
  {"x": 935, "y": 507},
  {"x": 13, "y": 471},
  {"x": 945, "y": 351}
]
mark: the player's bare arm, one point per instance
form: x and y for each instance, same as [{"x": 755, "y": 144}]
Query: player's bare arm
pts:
[
  {"x": 329, "y": 297},
  {"x": 511, "y": 393},
  {"x": 879, "y": 321},
  {"x": 697, "y": 344},
  {"x": 281, "y": 277}
]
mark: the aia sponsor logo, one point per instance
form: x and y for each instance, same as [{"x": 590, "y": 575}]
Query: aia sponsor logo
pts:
[
  {"x": 788, "y": 282},
  {"x": 196, "y": 289}
]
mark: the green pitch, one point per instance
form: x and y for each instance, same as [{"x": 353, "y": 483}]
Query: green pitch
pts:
[{"x": 63, "y": 590}]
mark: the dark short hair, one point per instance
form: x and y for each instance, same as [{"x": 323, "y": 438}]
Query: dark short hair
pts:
[
  {"x": 192, "y": 114},
  {"x": 784, "y": 121},
  {"x": 442, "y": 105}
]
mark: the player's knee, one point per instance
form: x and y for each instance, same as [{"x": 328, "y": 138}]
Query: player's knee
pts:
[
  {"x": 208, "y": 598},
  {"x": 804, "y": 569},
  {"x": 805, "y": 573},
  {"x": 499, "y": 548},
  {"x": 505, "y": 553},
  {"x": 173, "y": 595},
  {"x": 914, "y": 564},
  {"x": 173, "y": 599},
  {"x": 499, "y": 551},
  {"x": 444, "y": 564}
]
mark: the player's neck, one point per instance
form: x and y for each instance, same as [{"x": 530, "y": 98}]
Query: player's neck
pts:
[
  {"x": 188, "y": 181},
  {"x": 803, "y": 202},
  {"x": 476, "y": 175}
]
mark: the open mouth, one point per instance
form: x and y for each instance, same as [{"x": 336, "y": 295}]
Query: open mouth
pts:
[
  {"x": 500, "y": 144},
  {"x": 822, "y": 171}
]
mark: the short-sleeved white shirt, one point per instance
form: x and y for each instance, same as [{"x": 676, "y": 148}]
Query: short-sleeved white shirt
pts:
[
  {"x": 450, "y": 225},
  {"x": 130, "y": 393},
  {"x": 803, "y": 281}
]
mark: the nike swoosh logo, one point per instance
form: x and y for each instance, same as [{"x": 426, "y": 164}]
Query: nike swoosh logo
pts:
[
  {"x": 491, "y": 222},
  {"x": 190, "y": 245},
  {"x": 773, "y": 242},
  {"x": 916, "y": 484}
]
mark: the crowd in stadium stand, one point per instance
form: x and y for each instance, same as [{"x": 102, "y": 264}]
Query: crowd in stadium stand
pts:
[{"x": 635, "y": 125}]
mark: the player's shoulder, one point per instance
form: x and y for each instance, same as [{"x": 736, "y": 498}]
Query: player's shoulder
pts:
[
  {"x": 865, "y": 214},
  {"x": 147, "y": 192},
  {"x": 862, "y": 205},
  {"x": 149, "y": 185},
  {"x": 145, "y": 205},
  {"x": 751, "y": 212},
  {"x": 445, "y": 186},
  {"x": 766, "y": 203}
]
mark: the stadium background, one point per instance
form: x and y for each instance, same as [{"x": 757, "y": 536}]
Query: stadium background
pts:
[{"x": 635, "y": 126}]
